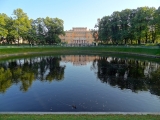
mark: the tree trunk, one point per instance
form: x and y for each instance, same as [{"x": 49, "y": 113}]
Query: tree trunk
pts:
[
  {"x": 131, "y": 41},
  {"x": 125, "y": 41},
  {"x": 18, "y": 41},
  {"x": 139, "y": 41},
  {"x": 146, "y": 36},
  {"x": 149, "y": 37},
  {"x": 154, "y": 37}
]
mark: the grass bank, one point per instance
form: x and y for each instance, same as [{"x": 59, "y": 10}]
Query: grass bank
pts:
[
  {"x": 75, "y": 50},
  {"x": 79, "y": 117}
]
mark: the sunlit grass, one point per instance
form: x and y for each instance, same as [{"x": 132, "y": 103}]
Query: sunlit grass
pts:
[
  {"x": 79, "y": 117},
  {"x": 87, "y": 50}
]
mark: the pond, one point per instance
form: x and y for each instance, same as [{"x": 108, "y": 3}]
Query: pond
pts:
[{"x": 79, "y": 83}]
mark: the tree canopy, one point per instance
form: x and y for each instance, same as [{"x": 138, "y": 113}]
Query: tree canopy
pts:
[
  {"x": 141, "y": 25},
  {"x": 38, "y": 31}
]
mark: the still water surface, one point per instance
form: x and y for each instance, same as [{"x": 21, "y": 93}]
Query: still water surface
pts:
[{"x": 79, "y": 83}]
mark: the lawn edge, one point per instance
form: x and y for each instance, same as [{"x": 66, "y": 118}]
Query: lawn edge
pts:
[
  {"x": 83, "y": 113},
  {"x": 114, "y": 52}
]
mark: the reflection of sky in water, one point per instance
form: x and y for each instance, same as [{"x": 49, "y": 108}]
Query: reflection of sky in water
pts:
[{"x": 80, "y": 87}]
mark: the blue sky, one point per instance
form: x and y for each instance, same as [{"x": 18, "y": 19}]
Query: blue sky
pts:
[{"x": 74, "y": 13}]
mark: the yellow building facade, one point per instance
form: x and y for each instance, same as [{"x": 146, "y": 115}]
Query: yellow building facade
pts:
[{"x": 78, "y": 36}]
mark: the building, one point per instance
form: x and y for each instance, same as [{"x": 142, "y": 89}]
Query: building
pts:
[{"x": 78, "y": 36}]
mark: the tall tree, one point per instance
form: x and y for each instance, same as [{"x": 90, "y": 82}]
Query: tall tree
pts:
[
  {"x": 21, "y": 23},
  {"x": 41, "y": 30},
  {"x": 155, "y": 25},
  {"x": 12, "y": 32},
  {"x": 125, "y": 24},
  {"x": 32, "y": 36},
  {"x": 105, "y": 28},
  {"x": 3, "y": 29},
  {"x": 55, "y": 28},
  {"x": 115, "y": 27}
]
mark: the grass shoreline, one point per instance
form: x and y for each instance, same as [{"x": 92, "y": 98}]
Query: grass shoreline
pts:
[
  {"x": 5, "y": 52},
  {"x": 79, "y": 117}
]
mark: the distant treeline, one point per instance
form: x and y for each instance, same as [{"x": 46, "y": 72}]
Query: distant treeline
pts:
[
  {"x": 130, "y": 26},
  {"x": 19, "y": 26}
]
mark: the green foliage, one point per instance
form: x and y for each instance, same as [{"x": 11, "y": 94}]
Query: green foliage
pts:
[
  {"x": 20, "y": 26},
  {"x": 5, "y": 79},
  {"x": 141, "y": 25},
  {"x": 3, "y": 29},
  {"x": 55, "y": 28},
  {"x": 151, "y": 44},
  {"x": 21, "y": 23},
  {"x": 95, "y": 35}
]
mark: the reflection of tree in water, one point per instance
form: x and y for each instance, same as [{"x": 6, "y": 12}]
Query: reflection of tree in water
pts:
[
  {"x": 127, "y": 74},
  {"x": 25, "y": 71},
  {"x": 5, "y": 79},
  {"x": 124, "y": 73},
  {"x": 155, "y": 82},
  {"x": 42, "y": 68},
  {"x": 56, "y": 71}
]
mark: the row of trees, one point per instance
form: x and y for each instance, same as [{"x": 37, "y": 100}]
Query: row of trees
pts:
[
  {"x": 141, "y": 25},
  {"x": 41, "y": 30}
]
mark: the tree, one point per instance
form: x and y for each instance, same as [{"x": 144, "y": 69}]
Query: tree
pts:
[
  {"x": 155, "y": 25},
  {"x": 55, "y": 28},
  {"x": 140, "y": 25},
  {"x": 125, "y": 24},
  {"x": 21, "y": 23},
  {"x": 31, "y": 36},
  {"x": 95, "y": 35},
  {"x": 41, "y": 30},
  {"x": 115, "y": 27},
  {"x": 3, "y": 29},
  {"x": 105, "y": 28},
  {"x": 149, "y": 24},
  {"x": 132, "y": 31}
]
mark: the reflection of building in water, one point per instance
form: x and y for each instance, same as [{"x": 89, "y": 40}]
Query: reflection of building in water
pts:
[
  {"x": 78, "y": 59},
  {"x": 78, "y": 36}
]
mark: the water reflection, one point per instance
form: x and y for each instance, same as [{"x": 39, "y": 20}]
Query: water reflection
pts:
[
  {"x": 24, "y": 71},
  {"x": 79, "y": 83},
  {"x": 124, "y": 73},
  {"x": 129, "y": 74},
  {"x": 78, "y": 60}
]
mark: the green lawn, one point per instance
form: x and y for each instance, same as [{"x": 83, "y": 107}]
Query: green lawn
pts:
[
  {"x": 72, "y": 50},
  {"x": 79, "y": 117}
]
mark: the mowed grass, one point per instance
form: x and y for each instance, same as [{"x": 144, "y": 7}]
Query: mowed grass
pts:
[
  {"x": 79, "y": 117},
  {"x": 72, "y": 50}
]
